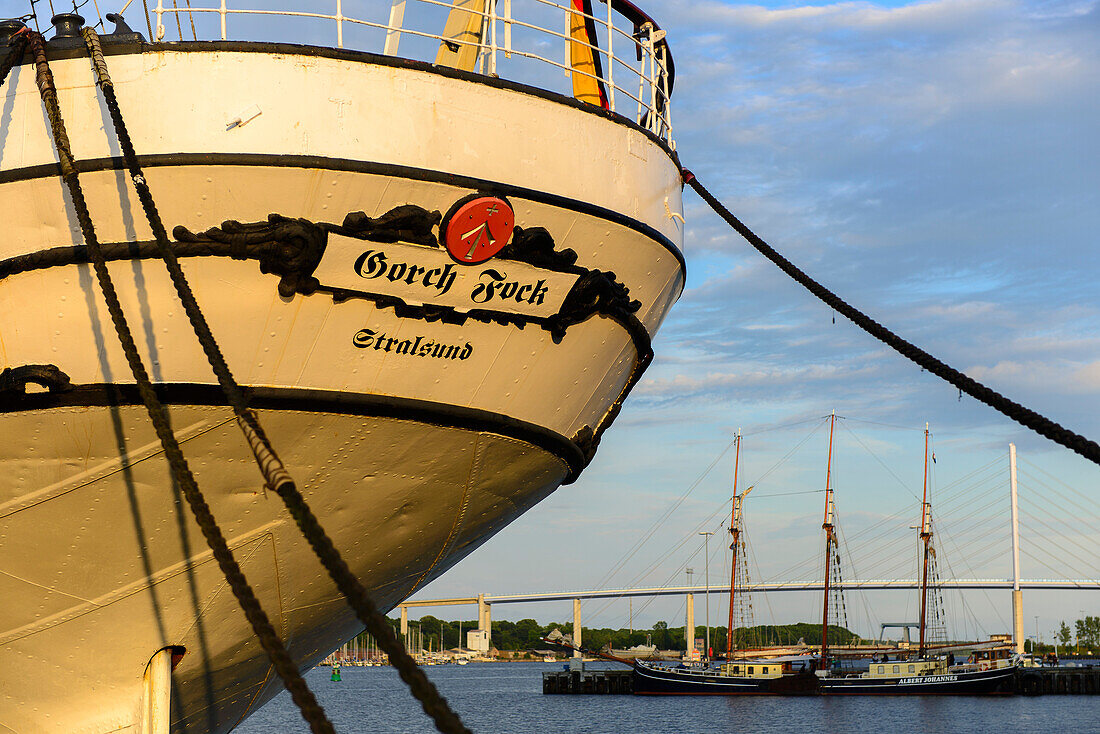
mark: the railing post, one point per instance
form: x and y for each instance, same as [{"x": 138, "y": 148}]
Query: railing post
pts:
[
  {"x": 641, "y": 37},
  {"x": 568, "y": 66},
  {"x": 339, "y": 25},
  {"x": 507, "y": 29},
  {"x": 610, "y": 59},
  {"x": 652, "y": 78},
  {"x": 160, "y": 18},
  {"x": 666, "y": 116},
  {"x": 221, "y": 12},
  {"x": 492, "y": 37}
]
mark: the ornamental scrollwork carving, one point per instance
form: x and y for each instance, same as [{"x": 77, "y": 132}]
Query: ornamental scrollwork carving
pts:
[
  {"x": 289, "y": 248},
  {"x": 16, "y": 379}
]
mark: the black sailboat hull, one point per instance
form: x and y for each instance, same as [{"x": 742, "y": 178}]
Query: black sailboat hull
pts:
[
  {"x": 658, "y": 681},
  {"x": 1000, "y": 681}
]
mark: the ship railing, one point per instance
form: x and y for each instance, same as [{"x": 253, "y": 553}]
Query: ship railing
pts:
[{"x": 634, "y": 74}]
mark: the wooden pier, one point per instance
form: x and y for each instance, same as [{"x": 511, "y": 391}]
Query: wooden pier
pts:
[
  {"x": 588, "y": 681},
  {"x": 1062, "y": 680}
]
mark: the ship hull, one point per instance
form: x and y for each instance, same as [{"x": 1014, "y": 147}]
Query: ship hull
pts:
[
  {"x": 415, "y": 426},
  {"x": 999, "y": 681},
  {"x": 657, "y": 681}
]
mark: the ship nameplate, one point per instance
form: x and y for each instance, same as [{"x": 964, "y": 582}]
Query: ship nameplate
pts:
[
  {"x": 419, "y": 275},
  {"x": 928, "y": 679}
]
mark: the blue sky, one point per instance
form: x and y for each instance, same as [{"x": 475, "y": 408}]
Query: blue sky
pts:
[{"x": 937, "y": 165}]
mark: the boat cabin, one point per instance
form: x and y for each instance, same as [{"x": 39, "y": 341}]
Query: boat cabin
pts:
[
  {"x": 991, "y": 659},
  {"x": 758, "y": 668},
  {"x": 906, "y": 668}
]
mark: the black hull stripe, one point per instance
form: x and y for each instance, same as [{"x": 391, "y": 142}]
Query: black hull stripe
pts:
[
  {"x": 50, "y": 170},
  {"x": 314, "y": 401}
]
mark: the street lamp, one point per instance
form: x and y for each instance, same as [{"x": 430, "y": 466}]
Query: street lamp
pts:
[{"x": 706, "y": 573}]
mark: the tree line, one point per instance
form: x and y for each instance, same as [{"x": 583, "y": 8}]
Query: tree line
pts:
[{"x": 527, "y": 634}]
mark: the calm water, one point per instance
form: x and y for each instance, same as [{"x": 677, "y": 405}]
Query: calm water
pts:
[{"x": 507, "y": 697}]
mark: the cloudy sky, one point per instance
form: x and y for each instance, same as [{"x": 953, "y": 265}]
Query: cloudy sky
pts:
[{"x": 937, "y": 165}]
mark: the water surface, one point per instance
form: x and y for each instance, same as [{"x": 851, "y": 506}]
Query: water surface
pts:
[{"x": 507, "y": 698}]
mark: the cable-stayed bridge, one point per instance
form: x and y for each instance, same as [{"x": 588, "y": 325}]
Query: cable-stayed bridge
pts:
[{"x": 485, "y": 602}]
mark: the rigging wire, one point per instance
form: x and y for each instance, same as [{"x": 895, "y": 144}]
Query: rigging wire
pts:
[
  {"x": 1070, "y": 554},
  {"x": 1017, "y": 412},
  {"x": 1071, "y": 488},
  {"x": 1077, "y": 510},
  {"x": 879, "y": 460},
  {"x": 640, "y": 543},
  {"x": 179, "y": 26},
  {"x": 661, "y": 520}
]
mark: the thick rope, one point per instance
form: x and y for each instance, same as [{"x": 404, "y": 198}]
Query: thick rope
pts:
[
  {"x": 261, "y": 625},
  {"x": 17, "y": 47},
  {"x": 1022, "y": 415},
  {"x": 377, "y": 624},
  {"x": 272, "y": 468}
]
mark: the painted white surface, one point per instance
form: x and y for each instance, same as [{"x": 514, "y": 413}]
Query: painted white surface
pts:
[
  {"x": 182, "y": 102},
  {"x": 38, "y": 215}
]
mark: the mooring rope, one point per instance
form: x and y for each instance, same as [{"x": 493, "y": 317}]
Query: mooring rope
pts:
[
  {"x": 1022, "y": 415},
  {"x": 275, "y": 474},
  {"x": 261, "y": 625},
  {"x": 16, "y": 49}
]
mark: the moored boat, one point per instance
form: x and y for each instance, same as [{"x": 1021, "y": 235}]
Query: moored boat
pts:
[
  {"x": 929, "y": 670},
  {"x": 787, "y": 676},
  {"x": 435, "y": 282},
  {"x": 987, "y": 672}
]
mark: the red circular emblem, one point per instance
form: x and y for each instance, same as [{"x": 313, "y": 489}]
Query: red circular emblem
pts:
[{"x": 479, "y": 229}]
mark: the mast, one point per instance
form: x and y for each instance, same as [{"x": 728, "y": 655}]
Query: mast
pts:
[
  {"x": 827, "y": 526},
  {"x": 735, "y": 532},
  {"x": 926, "y": 538}
]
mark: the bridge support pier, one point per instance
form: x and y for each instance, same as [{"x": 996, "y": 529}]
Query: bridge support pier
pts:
[
  {"x": 485, "y": 620},
  {"x": 404, "y": 625},
  {"x": 689, "y": 625},
  {"x": 576, "y": 626},
  {"x": 1017, "y": 594}
]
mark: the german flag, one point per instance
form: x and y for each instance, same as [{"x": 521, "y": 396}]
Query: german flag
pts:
[{"x": 584, "y": 56}]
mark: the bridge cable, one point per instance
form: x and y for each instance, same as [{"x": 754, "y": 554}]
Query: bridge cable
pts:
[
  {"x": 261, "y": 625},
  {"x": 275, "y": 474},
  {"x": 1017, "y": 412}
]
